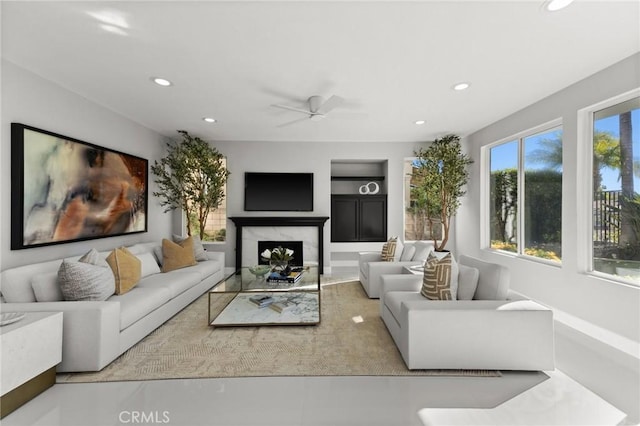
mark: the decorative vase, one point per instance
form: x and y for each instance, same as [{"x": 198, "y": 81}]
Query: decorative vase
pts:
[{"x": 279, "y": 265}]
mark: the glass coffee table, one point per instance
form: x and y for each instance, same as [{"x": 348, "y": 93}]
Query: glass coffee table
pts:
[{"x": 283, "y": 303}]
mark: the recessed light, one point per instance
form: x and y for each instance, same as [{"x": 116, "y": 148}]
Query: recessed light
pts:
[
  {"x": 161, "y": 81},
  {"x": 461, "y": 86},
  {"x": 209, "y": 120},
  {"x": 420, "y": 122},
  {"x": 553, "y": 5}
]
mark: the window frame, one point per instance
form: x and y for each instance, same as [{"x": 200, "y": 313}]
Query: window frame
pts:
[
  {"x": 485, "y": 214},
  {"x": 584, "y": 193}
]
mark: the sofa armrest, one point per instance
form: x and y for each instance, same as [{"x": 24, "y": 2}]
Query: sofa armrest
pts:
[
  {"x": 216, "y": 255},
  {"x": 369, "y": 256},
  {"x": 377, "y": 269},
  {"x": 90, "y": 331},
  {"x": 500, "y": 335},
  {"x": 400, "y": 282}
]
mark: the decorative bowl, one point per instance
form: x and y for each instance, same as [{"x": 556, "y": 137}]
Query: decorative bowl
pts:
[{"x": 259, "y": 270}]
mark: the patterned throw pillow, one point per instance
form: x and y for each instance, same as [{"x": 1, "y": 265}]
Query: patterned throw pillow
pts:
[
  {"x": 389, "y": 250},
  {"x": 176, "y": 256},
  {"x": 90, "y": 278},
  {"x": 126, "y": 268},
  {"x": 436, "y": 283}
]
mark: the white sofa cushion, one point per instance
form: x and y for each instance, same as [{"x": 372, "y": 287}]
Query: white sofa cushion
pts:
[
  {"x": 423, "y": 248},
  {"x": 407, "y": 252},
  {"x": 149, "y": 264},
  {"x": 139, "y": 302},
  {"x": 176, "y": 282},
  {"x": 46, "y": 287},
  {"x": 467, "y": 282},
  {"x": 493, "y": 280}
]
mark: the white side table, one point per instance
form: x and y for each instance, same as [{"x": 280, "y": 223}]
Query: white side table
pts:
[{"x": 30, "y": 349}]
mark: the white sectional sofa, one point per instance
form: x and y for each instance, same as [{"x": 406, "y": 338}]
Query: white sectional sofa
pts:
[
  {"x": 371, "y": 267},
  {"x": 487, "y": 332},
  {"x": 97, "y": 332}
]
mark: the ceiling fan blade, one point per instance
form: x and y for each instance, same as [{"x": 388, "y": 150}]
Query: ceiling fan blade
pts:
[
  {"x": 299, "y": 120},
  {"x": 290, "y": 108},
  {"x": 330, "y": 104}
]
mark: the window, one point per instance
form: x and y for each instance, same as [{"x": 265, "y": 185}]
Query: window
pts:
[
  {"x": 215, "y": 228},
  {"x": 615, "y": 182},
  {"x": 416, "y": 226},
  {"x": 525, "y": 195}
]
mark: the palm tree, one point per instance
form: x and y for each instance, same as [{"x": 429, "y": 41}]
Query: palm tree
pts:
[{"x": 627, "y": 231}]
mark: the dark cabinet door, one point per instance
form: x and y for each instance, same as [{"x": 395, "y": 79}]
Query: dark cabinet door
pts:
[
  {"x": 373, "y": 218},
  {"x": 358, "y": 218},
  {"x": 344, "y": 218}
]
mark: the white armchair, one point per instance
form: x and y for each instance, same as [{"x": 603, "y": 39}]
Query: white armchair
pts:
[
  {"x": 488, "y": 332},
  {"x": 372, "y": 268}
]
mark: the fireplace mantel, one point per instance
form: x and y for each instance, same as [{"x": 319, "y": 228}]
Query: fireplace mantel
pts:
[{"x": 314, "y": 221}]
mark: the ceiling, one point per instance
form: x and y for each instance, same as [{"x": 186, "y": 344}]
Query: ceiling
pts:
[{"x": 393, "y": 62}]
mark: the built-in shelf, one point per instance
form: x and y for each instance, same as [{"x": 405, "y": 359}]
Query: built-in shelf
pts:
[{"x": 351, "y": 178}]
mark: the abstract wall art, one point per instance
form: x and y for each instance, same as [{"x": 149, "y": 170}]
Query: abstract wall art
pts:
[{"x": 64, "y": 190}]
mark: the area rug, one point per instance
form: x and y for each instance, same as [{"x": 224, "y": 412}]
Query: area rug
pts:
[{"x": 351, "y": 340}]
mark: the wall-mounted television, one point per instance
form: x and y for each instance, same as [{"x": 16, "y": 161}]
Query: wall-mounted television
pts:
[{"x": 278, "y": 192}]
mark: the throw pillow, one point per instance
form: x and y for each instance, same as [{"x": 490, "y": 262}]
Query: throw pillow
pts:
[
  {"x": 90, "y": 278},
  {"x": 46, "y": 288},
  {"x": 422, "y": 251},
  {"x": 436, "y": 283},
  {"x": 126, "y": 268},
  {"x": 407, "y": 253},
  {"x": 149, "y": 264},
  {"x": 467, "y": 282},
  {"x": 389, "y": 250},
  {"x": 177, "y": 255},
  {"x": 198, "y": 249}
]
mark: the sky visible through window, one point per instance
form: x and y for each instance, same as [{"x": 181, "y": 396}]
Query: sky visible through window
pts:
[
  {"x": 505, "y": 156},
  {"x": 610, "y": 177}
]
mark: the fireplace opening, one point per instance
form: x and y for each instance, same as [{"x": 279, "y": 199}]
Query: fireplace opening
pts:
[{"x": 296, "y": 246}]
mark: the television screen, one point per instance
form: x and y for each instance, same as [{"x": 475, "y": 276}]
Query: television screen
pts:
[{"x": 278, "y": 192}]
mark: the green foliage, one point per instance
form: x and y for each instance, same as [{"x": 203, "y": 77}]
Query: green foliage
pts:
[
  {"x": 191, "y": 177},
  {"x": 504, "y": 197},
  {"x": 543, "y": 205},
  {"x": 630, "y": 211},
  {"x": 440, "y": 178}
]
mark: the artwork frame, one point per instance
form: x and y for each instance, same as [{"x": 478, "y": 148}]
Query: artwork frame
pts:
[{"x": 66, "y": 190}]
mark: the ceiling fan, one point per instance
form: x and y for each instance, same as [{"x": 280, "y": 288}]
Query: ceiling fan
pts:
[{"x": 318, "y": 108}]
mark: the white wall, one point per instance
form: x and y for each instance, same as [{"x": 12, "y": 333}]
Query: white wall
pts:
[
  {"x": 31, "y": 100},
  {"x": 609, "y": 308},
  {"x": 310, "y": 157}
]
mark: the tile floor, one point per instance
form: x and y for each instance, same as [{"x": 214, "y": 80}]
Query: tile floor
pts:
[{"x": 513, "y": 399}]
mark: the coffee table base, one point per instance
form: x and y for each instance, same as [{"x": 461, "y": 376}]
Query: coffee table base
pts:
[{"x": 242, "y": 312}]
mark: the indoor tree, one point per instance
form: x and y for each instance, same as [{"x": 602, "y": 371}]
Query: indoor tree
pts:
[
  {"x": 441, "y": 174},
  {"x": 191, "y": 177}
]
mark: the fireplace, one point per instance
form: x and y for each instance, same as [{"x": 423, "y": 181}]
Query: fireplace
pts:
[
  {"x": 297, "y": 247},
  {"x": 251, "y": 229}
]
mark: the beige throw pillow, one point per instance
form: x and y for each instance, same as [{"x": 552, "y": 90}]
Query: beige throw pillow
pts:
[
  {"x": 126, "y": 268},
  {"x": 198, "y": 249},
  {"x": 436, "y": 283},
  {"x": 389, "y": 250},
  {"x": 177, "y": 255}
]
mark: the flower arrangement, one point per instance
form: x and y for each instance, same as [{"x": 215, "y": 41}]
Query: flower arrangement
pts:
[{"x": 278, "y": 254}]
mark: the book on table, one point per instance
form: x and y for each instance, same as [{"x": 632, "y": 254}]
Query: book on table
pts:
[
  {"x": 292, "y": 277},
  {"x": 261, "y": 301}
]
